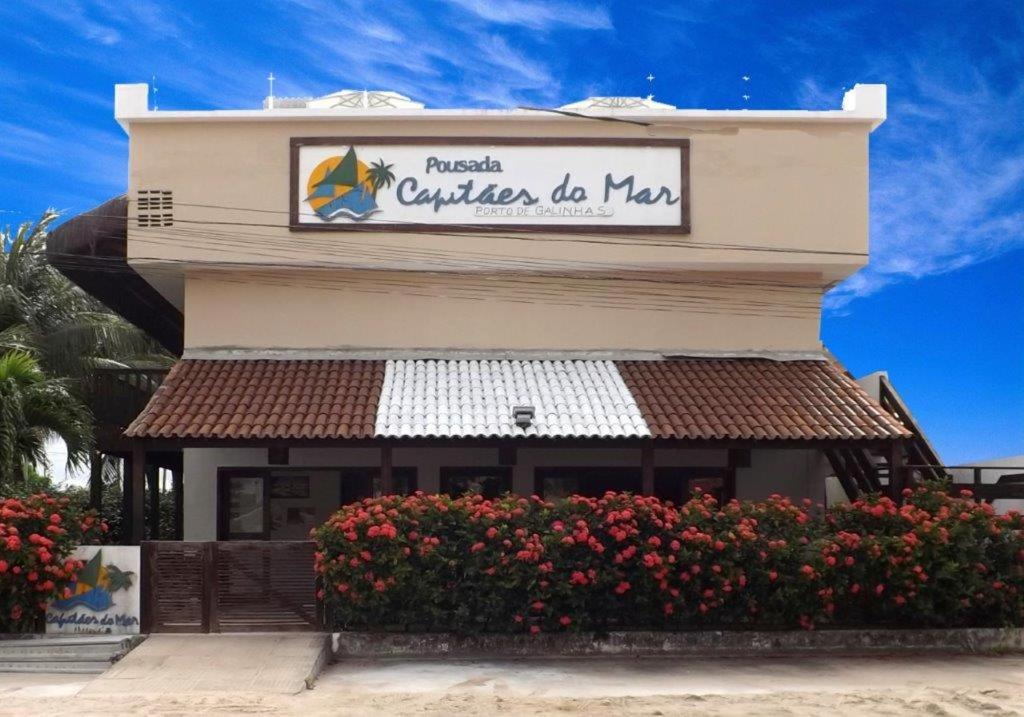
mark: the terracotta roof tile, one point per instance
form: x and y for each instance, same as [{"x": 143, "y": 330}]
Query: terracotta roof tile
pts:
[
  {"x": 738, "y": 399},
  {"x": 755, "y": 399},
  {"x": 263, "y": 399}
]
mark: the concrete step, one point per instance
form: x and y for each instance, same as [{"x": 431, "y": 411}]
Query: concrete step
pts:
[
  {"x": 91, "y": 667},
  {"x": 85, "y": 654}
]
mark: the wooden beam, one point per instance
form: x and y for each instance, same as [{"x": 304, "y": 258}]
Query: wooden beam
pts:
[
  {"x": 507, "y": 455},
  {"x": 387, "y": 477},
  {"x": 897, "y": 473},
  {"x": 839, "y": 468},
  {"x": 735, "y": 458},
  {"x": 868, "y": 468},
  {"x": 178, "y": 487},
  {"x": 172, "y": 444},
  {"x": 647, "y": 469},
  {"x": 136, "y": 488},
  {"x": 95, "y": 480},
  {"x": 127, "y": 510},
  {"x": 856, "y": 470},
  {"x": 739, "y": 457}
]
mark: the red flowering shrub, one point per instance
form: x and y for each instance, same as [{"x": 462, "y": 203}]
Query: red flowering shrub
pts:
[
  {"x": 429, "y": 562},
  {"x": 37, "y": 537}
]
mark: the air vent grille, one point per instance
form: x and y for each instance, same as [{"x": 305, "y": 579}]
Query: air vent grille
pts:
[{"x": 156, "y": 208}]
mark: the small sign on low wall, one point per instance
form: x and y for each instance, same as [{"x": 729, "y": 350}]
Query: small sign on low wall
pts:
[{"x": 106, "y": 597}]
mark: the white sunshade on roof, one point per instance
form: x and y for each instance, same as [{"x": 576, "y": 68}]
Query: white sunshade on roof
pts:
[{"x": 471, "y": 398}]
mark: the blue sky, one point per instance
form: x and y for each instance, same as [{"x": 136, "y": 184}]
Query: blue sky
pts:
[{"x": 941, "y": 304}]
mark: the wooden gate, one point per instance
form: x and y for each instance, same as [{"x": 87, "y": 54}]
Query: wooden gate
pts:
[{"x": 237, "y": 586}]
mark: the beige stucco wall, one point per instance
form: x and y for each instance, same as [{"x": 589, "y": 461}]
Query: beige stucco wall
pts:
[
  {"x": 245, "y": 280},
  {"x": 763, "y": 185},
  {"x": 403, "y": 310}
]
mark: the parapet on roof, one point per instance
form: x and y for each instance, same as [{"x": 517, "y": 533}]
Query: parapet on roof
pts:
[
  {"x": 354, "y": 99},
  {"x": 617, "y": 103},
  {"x": 864, "y": 104}
]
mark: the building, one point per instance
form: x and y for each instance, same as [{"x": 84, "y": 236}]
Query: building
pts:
[{"x": 371, "y": 296}]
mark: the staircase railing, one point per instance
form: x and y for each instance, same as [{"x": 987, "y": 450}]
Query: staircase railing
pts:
[{"x": 118, "y": 395}]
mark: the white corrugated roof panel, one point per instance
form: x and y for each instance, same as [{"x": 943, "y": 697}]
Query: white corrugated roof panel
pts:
[{"x": 465, "y": 398}]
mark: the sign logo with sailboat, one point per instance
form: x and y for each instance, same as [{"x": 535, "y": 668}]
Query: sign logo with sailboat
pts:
[
  {"x": 93, "y": 587},
  {"x": 104, "y": 598},
  {"x": 343, "y": 186},
  {"x": 461, "y": 183}
]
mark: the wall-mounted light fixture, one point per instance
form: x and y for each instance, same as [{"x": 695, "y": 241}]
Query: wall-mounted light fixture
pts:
[{"x": 523, "y": 416}]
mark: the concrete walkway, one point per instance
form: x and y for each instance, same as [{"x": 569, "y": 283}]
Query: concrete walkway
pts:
[
  {"x": 585, "y": 678},
  {"x": 808, "y": 686},
  {"x": 258, "y": 663}
]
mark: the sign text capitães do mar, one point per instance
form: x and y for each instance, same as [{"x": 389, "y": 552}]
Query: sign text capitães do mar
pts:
[{"x": 389, "y": 184}]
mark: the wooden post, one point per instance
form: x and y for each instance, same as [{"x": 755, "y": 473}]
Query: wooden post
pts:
[
  {"x": 137, "y": 488},
  {"x": 147, "y": 560},
  {"x": 735, "y": 458},
  {"x": 178, "y": 486},
  {"x": 210, "y": 604},
  {"x": 153, "y": 486},
  {"x": 647, "y": 469},
  {"x": 387, "y": 478},
  {"x": 95, "y": 480},
  {"x": 897, "y": 474},
  {"x": 126, "y": 499}
]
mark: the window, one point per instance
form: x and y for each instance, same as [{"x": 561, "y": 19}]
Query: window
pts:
[
  {"x": 490, "y": 482},
  {"x": 552, "y": 483},
  {"x": 360, "y": 483},
  {"x": 244, "y": 506},
  {"x": 679, "y": 484},
  {"x": 269, "y": 503}
]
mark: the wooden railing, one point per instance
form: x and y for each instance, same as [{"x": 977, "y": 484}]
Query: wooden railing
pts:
[
  {"x": 918, "y": 450},
  {"x": 118, "y": 395},
  {"x": 1008, "y": 485},
  {"x": 229, "y": 586}
]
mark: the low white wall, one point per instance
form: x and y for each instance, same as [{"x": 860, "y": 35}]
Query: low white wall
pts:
[
  {"x": 797, "y": 473},
  {"x": 992, "y": 470}
]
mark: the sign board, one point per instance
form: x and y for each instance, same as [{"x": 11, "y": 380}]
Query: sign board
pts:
[
  {"x": 105, "y": 599},
  {"x": 472, "y": 184}
]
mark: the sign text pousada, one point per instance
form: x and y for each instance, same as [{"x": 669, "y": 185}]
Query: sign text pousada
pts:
[{"x": 463, "y": 184}]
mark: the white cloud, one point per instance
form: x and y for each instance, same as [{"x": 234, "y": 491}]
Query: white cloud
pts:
[
  {"x": 448, "y": 59},
  {"x": 947, "y": 182},
  {"x": 947, "y": 169},
  {"x": 538, "y": 15}
]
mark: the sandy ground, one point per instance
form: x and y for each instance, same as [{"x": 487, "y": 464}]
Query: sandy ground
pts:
[{"x": 948, "y": 685}]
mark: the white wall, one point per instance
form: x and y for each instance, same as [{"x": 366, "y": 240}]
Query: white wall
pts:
[{"x": 796, "y": 473}]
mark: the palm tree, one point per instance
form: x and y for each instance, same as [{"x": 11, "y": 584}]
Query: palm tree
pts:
[
  {"x": 33, "y": 410},
  {"x": 68, "y": 332},
  {"x": 381, "y": 175},
  {"x": 45, "y": 315}
]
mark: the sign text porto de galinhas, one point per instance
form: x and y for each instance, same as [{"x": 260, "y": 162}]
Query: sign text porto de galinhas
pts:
[{"x": 406, "y": 184}]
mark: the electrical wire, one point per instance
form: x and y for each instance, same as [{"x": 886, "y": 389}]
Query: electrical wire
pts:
[{"x": 474, "y": 231}]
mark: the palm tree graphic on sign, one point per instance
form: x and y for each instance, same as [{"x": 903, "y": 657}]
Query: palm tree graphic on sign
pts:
[
  {"x": 381, "y": 175},
  {"x": 343, "y": 186}
]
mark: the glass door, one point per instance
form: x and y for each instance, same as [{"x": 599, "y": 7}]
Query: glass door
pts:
[{"x": 244, "y": 503}]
